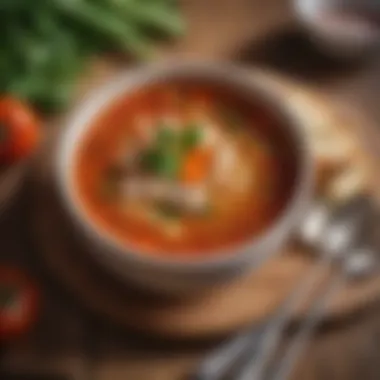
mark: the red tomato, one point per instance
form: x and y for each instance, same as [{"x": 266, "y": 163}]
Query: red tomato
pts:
[
  {"x": 19, "y": 301},
  {"x": 19, "y": 130}
]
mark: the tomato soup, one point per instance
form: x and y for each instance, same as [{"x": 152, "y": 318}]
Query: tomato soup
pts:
[{"x": 184, "y": 169}]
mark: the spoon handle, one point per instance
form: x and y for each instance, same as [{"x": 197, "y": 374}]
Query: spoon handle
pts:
[
  {"x": 287, "y": 363},
  {"x": 358, "y": 265},
  {"x": 256, "y": 344},
  {"x": 257, "y": 364},
  {"x": 216, "y": 365}
]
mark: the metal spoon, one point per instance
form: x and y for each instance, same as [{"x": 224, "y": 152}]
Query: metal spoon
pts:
[
  {"x": 330, "y": 232},
  {"x": 363, "y": 262},
  {"x": 335, "y": 234},
  {"x": 284, "y": 369}
]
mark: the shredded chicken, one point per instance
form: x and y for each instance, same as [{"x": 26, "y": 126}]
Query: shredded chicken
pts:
[
  {"x": 228, "y": 169},
  {"x": 171, "y": 121},
  {"x": 212, "y": 135},
  {"x": 192, "y": 198}
]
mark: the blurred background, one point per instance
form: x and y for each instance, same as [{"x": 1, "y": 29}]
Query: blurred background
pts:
[{"x": 53, "y": 52}]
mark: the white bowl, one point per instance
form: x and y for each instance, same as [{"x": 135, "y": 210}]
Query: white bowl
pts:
[
  {"x": 329, "y": 26},
  {"x": 168, "y": 275}
]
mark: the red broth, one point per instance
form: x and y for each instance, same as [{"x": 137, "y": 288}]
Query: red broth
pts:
[{"x": 240, "y": 204}]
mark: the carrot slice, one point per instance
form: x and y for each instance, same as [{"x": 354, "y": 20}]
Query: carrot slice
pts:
[{"x": 196, "y": 165}]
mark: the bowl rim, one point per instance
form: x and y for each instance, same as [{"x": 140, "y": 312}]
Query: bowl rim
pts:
[
  {"x": 309, "y": 12},
  {"x": 79, "y": 120}
]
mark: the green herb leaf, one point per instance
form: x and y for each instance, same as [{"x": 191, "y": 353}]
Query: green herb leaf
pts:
[
  {"x": 149, "y": 160},
  {"x": 168, "y": 164},
  {"x": 191, "y": 137},
  {"x": 164, "y": 163},
  {"x": 166, "y": 137}
]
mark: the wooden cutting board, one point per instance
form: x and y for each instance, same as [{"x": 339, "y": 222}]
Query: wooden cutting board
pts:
[{"x": 226, "y": 308}]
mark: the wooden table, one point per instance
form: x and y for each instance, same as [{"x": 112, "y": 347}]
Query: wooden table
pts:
[{"x": 70, "y": 340}]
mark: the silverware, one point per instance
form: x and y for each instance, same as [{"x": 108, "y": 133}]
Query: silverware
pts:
[
  {"x": 333, "y": 233},
  {"x": 361, "y": 263},
  {"x": 359, "y": 267}
]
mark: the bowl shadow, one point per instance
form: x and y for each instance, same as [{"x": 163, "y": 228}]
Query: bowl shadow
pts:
[{"x": 291, "y": 51}]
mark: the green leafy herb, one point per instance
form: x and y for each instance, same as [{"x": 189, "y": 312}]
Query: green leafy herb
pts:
[
  {"x": 191, "y": 137},
  {"x": 166, "y": 137},
  {"x": 149, "y": 160},
  {"x": 170, "y": 164},
  {"x": 166, "y": 156},
  {"x": 164, "y": 163},
  {"x": 45, "y": 44}
]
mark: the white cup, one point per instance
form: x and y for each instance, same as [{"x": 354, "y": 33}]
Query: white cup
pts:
[{"x": 339, "y": 26}]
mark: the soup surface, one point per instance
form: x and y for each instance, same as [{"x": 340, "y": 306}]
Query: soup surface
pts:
[{"x": 183, "y": 169}]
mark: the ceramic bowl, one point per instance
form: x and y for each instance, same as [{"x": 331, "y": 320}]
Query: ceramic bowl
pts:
[
  {"x": 338, "y": 26},
  {"x": 170, "y": 276}
]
